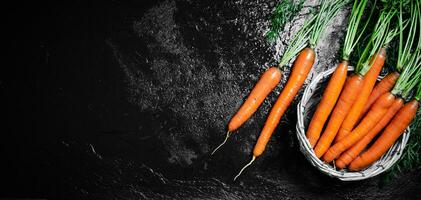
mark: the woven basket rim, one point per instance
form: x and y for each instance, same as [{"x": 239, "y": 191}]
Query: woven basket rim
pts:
[{"x": 384, "y": 163}]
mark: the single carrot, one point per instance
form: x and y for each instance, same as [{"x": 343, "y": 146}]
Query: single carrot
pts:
[
  {"x": 264, "y": 86},
  {"x": 328, "y": 101},
  {"x": 300, "y": 70},
  {"x": 370, "y": 78},
  {"x": 375, "y": 114},
  {"x": 388, "y": 137},
  {"x": 385, "y": 85},
  {"x": 267, "y": 82},
  {"x": 355, "y": 150},
  {"x": 346, "y": 99}
]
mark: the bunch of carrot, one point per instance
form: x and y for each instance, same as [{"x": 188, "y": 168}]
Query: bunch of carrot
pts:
[
  {"x": 358, "y": 108},
  {"x": 302, "y": 46}
]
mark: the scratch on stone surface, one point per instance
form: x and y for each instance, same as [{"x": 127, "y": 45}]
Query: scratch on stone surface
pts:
[
  {"x": 65, "y": 143},
  {"x": 220, "y": 182},
  {"x": 93, "y": 151}
]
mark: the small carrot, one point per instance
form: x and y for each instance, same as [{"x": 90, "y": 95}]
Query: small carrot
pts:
[
  {"x": 348, "y": 96},
  {"x": 267, "y": 82},
  {"x": 264, "y": 86},
  {"x": 370, "y": 78},
  {"x": 387, "y": 138},
  {"x": 300, "y": 70},
  {"x": 355, "y": 150},
  {"x": 330, "y": 96},
  {"x": 375, "y": 114},
  {"x": 385, "y": 85}
]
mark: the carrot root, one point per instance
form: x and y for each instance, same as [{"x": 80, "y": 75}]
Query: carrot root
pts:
[
  {"x": 226, "y": 138},
  {"x": 245, "y": 166}
]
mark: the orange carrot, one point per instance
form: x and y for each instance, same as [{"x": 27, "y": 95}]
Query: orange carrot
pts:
[
  {"x": 330, "y": 96},
  {"x": 267, "y": 82},
  {"x": 385, "y": 85},
  {"x": 375, "y": 114},
  {"x": 342, "y": 107},
  {"x": 300, "y": 70},
  {"x": 264, "y": 86},
  {"x": 355, "y": 150},
  {"x": 370, "y": 78},
  {"x": 388, "y": 137}
]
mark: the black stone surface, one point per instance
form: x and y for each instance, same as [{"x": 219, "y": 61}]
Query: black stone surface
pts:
[{"x": 126, "y": 99}]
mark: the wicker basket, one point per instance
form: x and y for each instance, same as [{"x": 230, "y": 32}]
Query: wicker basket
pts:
[{"x": 306, "y": 108}]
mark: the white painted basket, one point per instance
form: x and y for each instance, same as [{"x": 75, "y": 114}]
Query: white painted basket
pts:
[{"x": 305, "y": 110}]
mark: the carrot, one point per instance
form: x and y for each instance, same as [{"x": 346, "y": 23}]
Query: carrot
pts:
[
  {"x": 300, "y": 70},
  {"x": 385, "y": 85},
  {"x": 370, "y": 78},
  {"x": 342, "y": 107},
  {"x": 330, "y": 96},
  {"x": 355, "y": 150},
  {"x": 267, "y": 82},
  {"x": 388, "y": 137},
  {"x": 375, "y": 114},
  {"x": 264, "y": 86}
]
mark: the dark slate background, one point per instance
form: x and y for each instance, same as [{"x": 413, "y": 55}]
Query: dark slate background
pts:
[{"x": 125, "y": 100}]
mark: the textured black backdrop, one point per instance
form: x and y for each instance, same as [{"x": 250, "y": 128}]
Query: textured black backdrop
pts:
[{"x": 125, "y": 100}]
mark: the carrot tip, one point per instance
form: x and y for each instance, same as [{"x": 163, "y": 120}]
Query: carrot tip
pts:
[
  {"x": 226, "y": 138},
  {"x": 248, "y": 164}
]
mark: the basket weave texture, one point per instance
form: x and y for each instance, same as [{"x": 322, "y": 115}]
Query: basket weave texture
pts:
[{"x": 305, "y": 110}]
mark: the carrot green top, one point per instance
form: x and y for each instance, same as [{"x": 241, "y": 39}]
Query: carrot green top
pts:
[
  {"x": 353, "y": 25},
  {"x": 309, "y": 33},
  {"x": 404, "y": 52},
  {"x": 409, "y": 60},
  {"x": 328, "y": 10},
  {"x": 298, "y": 43},
  {"x": 409, "y": 78},
  {"x": 382, "y": 35},
  {"x": 418, "y": 95},
  {"x": 284, "y": 12}
]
